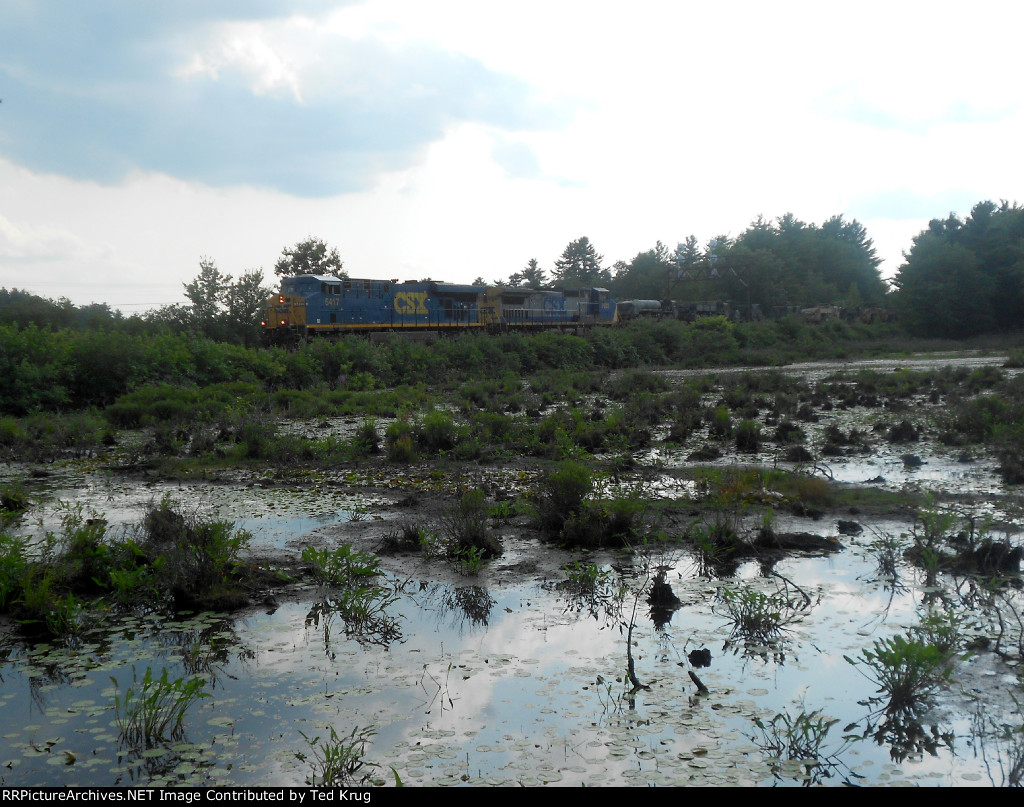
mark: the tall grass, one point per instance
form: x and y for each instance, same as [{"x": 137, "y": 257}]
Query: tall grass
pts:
[{"x": 152, "y": 710}]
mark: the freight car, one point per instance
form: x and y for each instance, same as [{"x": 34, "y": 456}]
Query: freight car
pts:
[
  {"x": 315, "y": 305},
  {"x": 657, "y": 309},
  {"x": 507, "y": 308}
]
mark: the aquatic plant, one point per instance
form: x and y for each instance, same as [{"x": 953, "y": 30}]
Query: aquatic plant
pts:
[
  {"x": 940, "y": 628},
  {"x": 153, "y": 710},
  {"x": 339, "y": 761},
  {"x": 759, "y": 618},
  {"x": 13, "y": 498},
  {"x": 342, "y": 566},
  {"x": 907, "y": 670},
  {"x": 797, "y": 746},
  {"x": 13, "y": 565},
  {"x": 366, "y": 440},
  {"x": 748, "y": 436},
  {"x": 398, "y": 439},
  {"x": 470, "y": 560},
  {"x": 196, "y": 560},
  {"x": 585, "y": 577}
]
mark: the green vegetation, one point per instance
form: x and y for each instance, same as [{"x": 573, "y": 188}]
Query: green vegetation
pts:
[
  {"x": 907, "y": 670},
  {"x": 758, "y": 618},
  {"x": 963, "y": 277},
  {"x": 152, "y": 711},
  {"x": 339, "y": 761},
  {"x": 171, "y": 560},
  {"x": 341, "y": 567},
  {"x": 354, "y": 594},
  {"x": 796, "y": 746}
]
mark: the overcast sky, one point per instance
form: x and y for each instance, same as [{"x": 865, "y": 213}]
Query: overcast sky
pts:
[{"x": 456, "y": 139}]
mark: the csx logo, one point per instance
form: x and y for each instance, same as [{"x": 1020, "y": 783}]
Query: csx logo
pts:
[{"x": 411, "y": 302}]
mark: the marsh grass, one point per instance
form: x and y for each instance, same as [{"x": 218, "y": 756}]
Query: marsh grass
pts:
[
  {"x": 466, "y": 531},
  {"x": 339, "y": 761},
  {"x": 152, "y": 710}
]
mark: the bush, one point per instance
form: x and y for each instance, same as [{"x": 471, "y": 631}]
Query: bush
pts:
[
  {"x": 748, "y": 436},
  {"x": 437, "y": 431},
  {"x": 195, "y": 561},
  {"x": 465, "y": 528},
  {"x": 721, "y": 423},
  {"x": 366, "y": 440},
  {"x": 399, "y": 443},
  {"x": 562, "y": 494}
]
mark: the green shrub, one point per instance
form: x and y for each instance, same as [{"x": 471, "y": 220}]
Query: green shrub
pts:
[
  {"x": 196, "y": 561},
  {"x": 13, "y": 498},
  {"x": 721, "y": 423},
  {"x": 437, "y": 431},
  {"x": 366, "y": 440},
  {"x": 562, "y": 494},
  {"x": 398, "y": 439},
  {"x": 748, "y": 436}
]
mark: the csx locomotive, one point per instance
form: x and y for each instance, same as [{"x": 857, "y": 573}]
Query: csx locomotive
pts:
[{"x": 315, "y": 305}]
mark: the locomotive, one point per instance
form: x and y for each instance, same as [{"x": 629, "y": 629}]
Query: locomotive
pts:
[{"x": 315, "y": 305}]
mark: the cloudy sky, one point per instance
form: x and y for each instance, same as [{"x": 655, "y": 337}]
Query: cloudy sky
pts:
[{"x": 460, "y": 138}]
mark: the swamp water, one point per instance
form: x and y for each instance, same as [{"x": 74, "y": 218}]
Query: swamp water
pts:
[{"x": 521, "y": 683}]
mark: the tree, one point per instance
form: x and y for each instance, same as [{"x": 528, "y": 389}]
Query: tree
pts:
[
  {"x": 649, "y": 276},
  {"x": 245, "y": 301},
  {"x": 687, "y": 255},
  {"x": 208, "y": 294},
  {"x": 962, "y": 278},
  {"x": 943, "y": 290},
  {"x": 309, "y": 257},
  {"x": 580, "y": 265},
  {"x": 219, "y": 308},
  {"x": 532, "y": 276}
]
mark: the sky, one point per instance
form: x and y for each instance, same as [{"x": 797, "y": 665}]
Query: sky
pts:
[{"x": 457, "y": 139}]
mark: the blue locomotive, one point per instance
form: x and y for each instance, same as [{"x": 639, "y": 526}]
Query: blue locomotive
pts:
[{"x": 315, "y": 305}]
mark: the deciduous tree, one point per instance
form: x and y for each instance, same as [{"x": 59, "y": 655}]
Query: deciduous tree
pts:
[{"x": 309, "y": 257}]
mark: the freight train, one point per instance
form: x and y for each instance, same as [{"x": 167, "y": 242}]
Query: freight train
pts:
[
  {"x": 313, "y": 305},
  {"x": 738, "y": 312}
]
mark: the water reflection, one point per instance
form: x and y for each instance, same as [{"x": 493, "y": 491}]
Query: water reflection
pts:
[{"x": 460, "y": 608}]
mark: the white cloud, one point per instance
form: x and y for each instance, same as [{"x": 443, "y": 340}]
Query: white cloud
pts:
[
  {"x": 245, "y": 47},
  {"x": 458, "y": 138}
]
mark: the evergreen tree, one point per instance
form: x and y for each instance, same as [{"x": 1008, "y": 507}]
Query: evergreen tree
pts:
[
  {"x": 580, "y": 265},
  {"x": 962, "y": 278}
]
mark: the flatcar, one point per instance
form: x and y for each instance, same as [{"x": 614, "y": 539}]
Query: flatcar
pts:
[{"x": 315, "y": 305}]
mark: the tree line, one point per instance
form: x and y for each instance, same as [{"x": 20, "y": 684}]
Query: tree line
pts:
[{"x": 960, "y": 277}]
